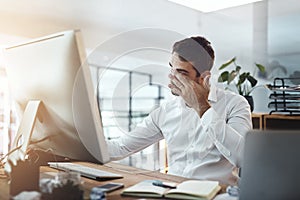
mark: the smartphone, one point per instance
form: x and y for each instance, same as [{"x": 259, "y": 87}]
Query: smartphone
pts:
[{"x": 110, "y": 187}]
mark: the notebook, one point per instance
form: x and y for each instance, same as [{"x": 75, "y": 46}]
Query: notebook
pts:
[
  {"x": 271, "y": 166},
  {"x": 191, "y": 189}
]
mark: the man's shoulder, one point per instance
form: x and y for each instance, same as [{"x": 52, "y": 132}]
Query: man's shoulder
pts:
[
  {"x": 172, "y": 102},
  {"x": 229, "y": 95},
  {"x": 167, "y": 108},
  {"x": 168, "y": 105},
  {"x": 225, "y": 91}
]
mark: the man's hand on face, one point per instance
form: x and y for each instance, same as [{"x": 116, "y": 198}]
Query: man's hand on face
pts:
[{"x": 194, "y": 94}]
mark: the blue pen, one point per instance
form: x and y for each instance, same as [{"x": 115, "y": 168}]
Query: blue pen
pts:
[{"x": 164, "y": 184}]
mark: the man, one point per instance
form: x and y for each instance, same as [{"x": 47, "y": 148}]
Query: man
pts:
[{"x": 204, "y": 127}]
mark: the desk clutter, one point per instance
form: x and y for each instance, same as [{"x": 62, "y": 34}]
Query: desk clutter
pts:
[
  {"x": 191, "y": 189},
  {"x": 51, "y": 190},
  {"x": 51, "y": 180},
  {"x": 66, "y": 185}
]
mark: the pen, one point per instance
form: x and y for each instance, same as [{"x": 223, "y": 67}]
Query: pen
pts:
[
  {"x": 164, "y": 184},
  {"x": 233, "y": 191}
]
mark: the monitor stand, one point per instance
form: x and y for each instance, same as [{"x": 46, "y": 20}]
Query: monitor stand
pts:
[
  {"x": 25, "y": 129},
  {"x": 24, "y": 174},
  {"x": 23, "y": 164}
]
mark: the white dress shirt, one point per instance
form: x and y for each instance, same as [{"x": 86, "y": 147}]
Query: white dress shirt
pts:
[{"x": 209, "y": 147}]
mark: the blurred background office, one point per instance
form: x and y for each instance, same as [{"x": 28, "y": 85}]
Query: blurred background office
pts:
[{"x": 265, "y": 32}]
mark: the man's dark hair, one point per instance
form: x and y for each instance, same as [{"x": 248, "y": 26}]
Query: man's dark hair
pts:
[{"x": 196, "y": 50}]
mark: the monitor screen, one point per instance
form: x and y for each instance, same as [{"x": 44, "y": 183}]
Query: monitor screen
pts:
[{"x": 52, "y": 89}]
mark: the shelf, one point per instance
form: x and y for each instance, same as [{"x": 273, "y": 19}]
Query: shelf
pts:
[
  {"x": 285, "y": 97},
  {"x": 285, "y": 105},
  {"x": 284, "y": 89}
]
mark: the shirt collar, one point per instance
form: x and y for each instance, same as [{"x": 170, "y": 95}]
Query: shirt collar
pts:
[{"x": 212, "y": 96}]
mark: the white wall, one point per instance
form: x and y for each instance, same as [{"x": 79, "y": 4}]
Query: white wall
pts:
[
  {"x": 229, "y": 30},
  {"x": 99, "y": 20}
]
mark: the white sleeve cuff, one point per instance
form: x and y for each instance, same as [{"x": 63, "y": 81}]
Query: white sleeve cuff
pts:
[{"x": 208, "y": 117}]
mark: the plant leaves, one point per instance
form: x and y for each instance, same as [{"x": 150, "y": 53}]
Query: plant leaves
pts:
[
  {"x": 242, "y": 78},
  {"x": 227, "y": 63},
  {"x": 252, "y": 80},
  {"x": 231, "y": 76},
  {"x": 223, "y": 77},
  {"x": 260, "y": 67}
]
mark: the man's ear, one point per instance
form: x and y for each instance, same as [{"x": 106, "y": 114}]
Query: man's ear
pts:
[{"x": 204, "y": 77}]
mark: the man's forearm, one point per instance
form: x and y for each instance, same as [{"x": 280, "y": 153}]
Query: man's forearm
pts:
[
  {"x": 228, "y": 136},
  {"x": 203, "y": 108}
]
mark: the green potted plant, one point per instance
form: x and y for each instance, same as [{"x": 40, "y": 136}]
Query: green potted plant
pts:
[{"x": 244, "y": 82}]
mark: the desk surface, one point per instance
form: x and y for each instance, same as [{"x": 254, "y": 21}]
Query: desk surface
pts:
[{"x": 131, "y": 176}]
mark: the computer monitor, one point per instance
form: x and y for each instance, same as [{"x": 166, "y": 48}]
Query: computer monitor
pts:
[
  {"x": 270, "y": 168},
  {"x": 52, "y": 87}
]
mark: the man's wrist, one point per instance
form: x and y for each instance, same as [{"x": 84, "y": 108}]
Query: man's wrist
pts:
[{"x": 203, "y": 108}]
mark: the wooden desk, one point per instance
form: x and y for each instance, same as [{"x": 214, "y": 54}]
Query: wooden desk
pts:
[
  {"x": 257, "y": 120},
  {"x": 264, "y": 121},
  {"x": 281, "y": 122},
  {"x": 131, "y": 176}
]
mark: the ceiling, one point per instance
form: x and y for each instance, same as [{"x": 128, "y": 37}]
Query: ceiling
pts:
[{"x": 230, "y": 30}]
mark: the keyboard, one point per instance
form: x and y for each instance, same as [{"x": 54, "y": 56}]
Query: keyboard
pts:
[{"x": 85, "y": 171}]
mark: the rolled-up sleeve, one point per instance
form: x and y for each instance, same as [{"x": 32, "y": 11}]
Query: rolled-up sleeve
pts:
[
  {"x": 145, "y": 134},
  {"x": 228, "y": 130}
]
